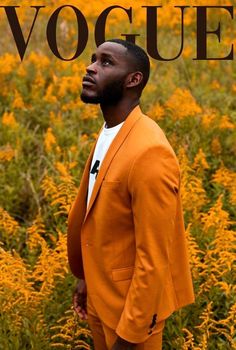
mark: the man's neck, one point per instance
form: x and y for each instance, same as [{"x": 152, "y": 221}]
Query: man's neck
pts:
[{"x": 114, "y": 115}]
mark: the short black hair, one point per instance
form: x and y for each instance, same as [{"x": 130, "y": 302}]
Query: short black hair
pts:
[{"x": 141, "y": 60}]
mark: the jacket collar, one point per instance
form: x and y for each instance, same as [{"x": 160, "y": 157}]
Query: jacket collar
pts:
[{"x": 129, "y": 122}]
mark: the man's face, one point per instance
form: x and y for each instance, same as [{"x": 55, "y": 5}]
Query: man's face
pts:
[{"x": 106, "y": 75}]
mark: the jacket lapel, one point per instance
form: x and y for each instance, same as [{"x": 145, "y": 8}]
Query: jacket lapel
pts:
[
  {"x": 78, "y": 209},
  {"x": 134, "y": 115}
]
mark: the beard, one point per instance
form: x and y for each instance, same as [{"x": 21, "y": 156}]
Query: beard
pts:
[{"x": 110, "y": 96}]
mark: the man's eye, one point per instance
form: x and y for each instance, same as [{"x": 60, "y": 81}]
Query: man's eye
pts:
[{"x": 106, "y": 62}]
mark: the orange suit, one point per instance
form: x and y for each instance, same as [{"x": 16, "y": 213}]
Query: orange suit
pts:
[{"x": 130, "y": 243}]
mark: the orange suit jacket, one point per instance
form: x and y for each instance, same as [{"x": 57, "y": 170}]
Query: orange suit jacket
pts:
[{"x": 130, "y": 243}]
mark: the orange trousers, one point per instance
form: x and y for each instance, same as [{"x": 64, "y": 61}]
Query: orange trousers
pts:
[{"x": 104, "y": 337}]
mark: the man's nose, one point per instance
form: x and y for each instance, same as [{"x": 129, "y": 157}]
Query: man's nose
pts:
[{"x": 92, "y": 68}]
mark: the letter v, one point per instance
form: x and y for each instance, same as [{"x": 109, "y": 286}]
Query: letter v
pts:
[{"x": 13, "y": 20}]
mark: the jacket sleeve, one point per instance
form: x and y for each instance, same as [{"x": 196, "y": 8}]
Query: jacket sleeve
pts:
[
  {"x": 74, "y": 241},
  {"x": 153, "y": 185}
]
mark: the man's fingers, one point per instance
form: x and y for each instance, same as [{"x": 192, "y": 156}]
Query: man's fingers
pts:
[
  {"x": 77, "y": 309},
  {"x": 81, "y": 312},
  {"x": 82, "y": 315},
  {"x": 79, "y": 299},
  {"x": 76, "y": 302}
]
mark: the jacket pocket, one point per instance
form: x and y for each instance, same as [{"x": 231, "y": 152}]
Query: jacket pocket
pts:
[
  {"x": 110, "y": 184},
  {"x": 123, "y": 273}
]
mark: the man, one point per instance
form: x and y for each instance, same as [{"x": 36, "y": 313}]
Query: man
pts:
[{"x": 126, "y": 240}]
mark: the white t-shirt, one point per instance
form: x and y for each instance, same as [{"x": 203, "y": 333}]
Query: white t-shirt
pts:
[{"x": 103, "y": 143}]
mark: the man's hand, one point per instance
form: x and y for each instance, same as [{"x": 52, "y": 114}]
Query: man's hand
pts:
[
  {"x": 122, "y": 344},
  {"x": 79, "y": 299}
]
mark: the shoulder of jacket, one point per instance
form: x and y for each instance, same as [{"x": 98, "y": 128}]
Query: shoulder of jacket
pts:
[{"x": 149, "y": 134}]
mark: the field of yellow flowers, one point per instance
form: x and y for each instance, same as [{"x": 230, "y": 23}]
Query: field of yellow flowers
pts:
[{"x": 46, "y": 134}]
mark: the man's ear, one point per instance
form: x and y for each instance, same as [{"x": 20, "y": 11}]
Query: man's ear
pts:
[{"x": 134, "y": 79}]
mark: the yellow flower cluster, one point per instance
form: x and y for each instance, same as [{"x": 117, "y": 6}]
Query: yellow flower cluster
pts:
[
  {"x": 7, "y": 153},
  {"x": 182, "y": 104},
  {"x": 9, "y": 120}
]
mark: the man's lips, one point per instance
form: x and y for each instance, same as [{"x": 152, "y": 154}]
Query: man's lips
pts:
[{"x": 88, "y": 81}]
